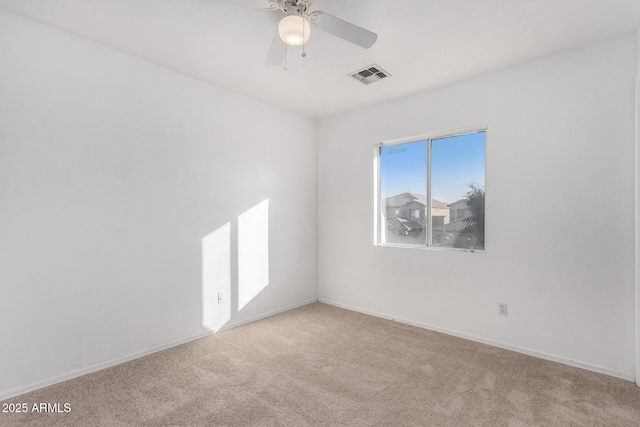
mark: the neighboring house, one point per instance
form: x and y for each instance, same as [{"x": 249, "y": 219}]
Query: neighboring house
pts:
[
  {"x": 405, "y": 213},
  {"x": 452, "y": 223},
  {"x": 459, "y": 210},
  {"x": 440, "y": 212}
]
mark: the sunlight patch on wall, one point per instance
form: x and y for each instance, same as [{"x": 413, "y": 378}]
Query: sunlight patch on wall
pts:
[
  {"x": 216, "y": 278},
  {"x": 253, "y": 252}
]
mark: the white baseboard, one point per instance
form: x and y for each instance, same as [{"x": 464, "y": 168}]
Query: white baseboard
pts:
[
  {"x": 97, "y": 367},
  {"x": 629, "y": 376},
  {"x": 113, "y": 362},
  {"x": 267, "y": 314}
]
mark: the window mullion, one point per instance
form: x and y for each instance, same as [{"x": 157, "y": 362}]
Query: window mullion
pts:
[{"x": 428, "y": 213}]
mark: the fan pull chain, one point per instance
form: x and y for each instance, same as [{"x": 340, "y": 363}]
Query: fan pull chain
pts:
[
  {"x": 286, "y": 51},
  {"x": 303, "y": 43}
]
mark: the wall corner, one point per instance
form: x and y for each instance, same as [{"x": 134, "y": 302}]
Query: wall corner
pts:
[{"x": 637, "y": 176}]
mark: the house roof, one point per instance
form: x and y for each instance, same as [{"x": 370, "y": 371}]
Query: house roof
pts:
[
  {"x": 400, "y": 225},
  {"x": 409, "y": 224},
  {"x": 406, "y": 198},
  {"x": 402, "y": 199},
  {"x": 458, "y": 203},
  {"x": 456, "y": 226},
  {"x": 438, "y": 204}
]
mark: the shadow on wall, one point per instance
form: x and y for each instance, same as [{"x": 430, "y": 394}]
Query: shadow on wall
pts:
[{"x": 253, "y": 266}]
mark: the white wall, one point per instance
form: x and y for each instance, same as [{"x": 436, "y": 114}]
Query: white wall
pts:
[
  {"x": 112, "y": 170},
  {"x": 560, "y": 210}
]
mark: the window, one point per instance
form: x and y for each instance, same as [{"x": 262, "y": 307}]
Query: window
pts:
[{"x": 444, "y": 178}]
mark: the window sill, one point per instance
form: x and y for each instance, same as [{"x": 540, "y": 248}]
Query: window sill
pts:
[{"x": 431, "y": 248}]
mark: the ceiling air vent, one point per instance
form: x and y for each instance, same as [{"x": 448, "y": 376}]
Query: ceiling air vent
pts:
[{"x": 369, "y": 74}]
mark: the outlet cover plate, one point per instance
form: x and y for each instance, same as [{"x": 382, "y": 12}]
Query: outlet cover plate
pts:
[{"x": 502, "y": 309}]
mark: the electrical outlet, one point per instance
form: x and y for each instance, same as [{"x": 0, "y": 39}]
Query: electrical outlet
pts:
[
  {"x": 502, "y": 309},
  {"x": 221, "y": 297}
]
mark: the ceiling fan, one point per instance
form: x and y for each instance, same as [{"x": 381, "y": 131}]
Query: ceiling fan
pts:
[{"x": 295, "y": 28}]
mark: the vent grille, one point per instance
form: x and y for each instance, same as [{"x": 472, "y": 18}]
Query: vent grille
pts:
[{"x": 370, "y": 74}]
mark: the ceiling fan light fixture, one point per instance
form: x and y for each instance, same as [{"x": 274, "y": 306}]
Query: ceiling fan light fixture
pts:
[{"x": 294, "y": 30}]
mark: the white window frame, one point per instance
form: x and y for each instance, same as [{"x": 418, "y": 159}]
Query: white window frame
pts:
[{"x": 429, "y": 137}]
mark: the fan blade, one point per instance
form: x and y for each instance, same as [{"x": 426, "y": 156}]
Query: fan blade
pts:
[
  {"x": 277, "y": 51},
  {"x": 343, "y": 29},
  {"x": 268, "y": 5}
]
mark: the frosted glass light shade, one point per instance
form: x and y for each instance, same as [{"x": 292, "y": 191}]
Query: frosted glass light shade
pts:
[{"x": 294, "y": 30}]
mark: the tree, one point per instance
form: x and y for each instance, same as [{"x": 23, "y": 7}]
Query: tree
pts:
[{"x": 475, "y": 200}]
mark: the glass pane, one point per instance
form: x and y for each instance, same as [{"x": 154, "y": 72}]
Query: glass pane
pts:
[
  {"x": 403, "y": 189},
  {"x": 457, "y": 188}
]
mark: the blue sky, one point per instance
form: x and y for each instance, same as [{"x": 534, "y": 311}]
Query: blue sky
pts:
[{"x": 456, "y": 162}]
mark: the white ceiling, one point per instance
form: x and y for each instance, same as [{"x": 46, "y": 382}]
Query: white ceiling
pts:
[{"x": 422, "y": 43}]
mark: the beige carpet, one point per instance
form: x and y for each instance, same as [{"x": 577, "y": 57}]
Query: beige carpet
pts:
[{"x": 322, "y": 365}]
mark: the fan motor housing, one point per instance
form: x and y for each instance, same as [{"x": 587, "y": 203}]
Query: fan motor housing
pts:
[{"x": 291, "y": 7}]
